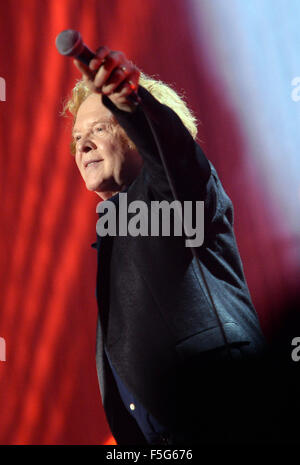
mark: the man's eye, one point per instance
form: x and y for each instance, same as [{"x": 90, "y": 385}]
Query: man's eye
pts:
[
  {"x": 99, "y": 129},
  {"x": 77, "y": 138}
]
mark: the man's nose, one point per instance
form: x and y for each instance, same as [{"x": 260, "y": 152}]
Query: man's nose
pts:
[{"x": 87, "y": 145}]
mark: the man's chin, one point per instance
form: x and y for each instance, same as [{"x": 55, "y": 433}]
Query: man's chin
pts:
[
  {"x": 104, "y": 191},
  {"x": 93, "y": 187},
  {"x": 104, "y": 187}
]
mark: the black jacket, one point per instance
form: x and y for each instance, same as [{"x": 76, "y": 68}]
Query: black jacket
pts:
[{"x": 155, "y": 316}]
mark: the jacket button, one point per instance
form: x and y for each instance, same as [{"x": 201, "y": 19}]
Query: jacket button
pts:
[
  {"x": 164, "y": 439},
  {"x": 132, "y": 407}
]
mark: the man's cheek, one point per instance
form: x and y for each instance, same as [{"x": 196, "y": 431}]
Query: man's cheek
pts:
[{"x": 77, "y": 162}]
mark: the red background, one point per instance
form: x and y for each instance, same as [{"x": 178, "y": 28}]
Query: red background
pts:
[{"x": 48, "y": 386}]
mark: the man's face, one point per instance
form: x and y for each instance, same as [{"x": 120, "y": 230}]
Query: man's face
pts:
[{"x": 103, "y": 156}]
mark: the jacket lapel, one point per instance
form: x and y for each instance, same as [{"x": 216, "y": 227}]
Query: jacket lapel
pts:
[{"x": 103, "y": 247}]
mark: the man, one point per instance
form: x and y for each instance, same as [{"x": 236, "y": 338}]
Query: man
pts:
[{"x": 167, "y": 372}]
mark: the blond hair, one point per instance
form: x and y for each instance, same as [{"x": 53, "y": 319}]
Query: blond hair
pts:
[{"x": 159, "y": 89}]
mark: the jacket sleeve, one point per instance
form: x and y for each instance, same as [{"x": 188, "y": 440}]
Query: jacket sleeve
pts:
[{"x": 186, "y": 162}]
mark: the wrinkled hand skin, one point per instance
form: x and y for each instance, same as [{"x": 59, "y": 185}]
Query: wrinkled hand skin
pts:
[{"x": 111, "y": 74}]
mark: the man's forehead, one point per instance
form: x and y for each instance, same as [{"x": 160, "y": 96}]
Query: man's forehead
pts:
[{"x": 90, "y": 111}]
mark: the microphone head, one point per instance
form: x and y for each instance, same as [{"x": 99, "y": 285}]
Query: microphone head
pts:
[{"x": 69, "y": 42}]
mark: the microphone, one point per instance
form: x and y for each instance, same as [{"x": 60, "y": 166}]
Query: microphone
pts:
[{"x": 69, "y": 43}]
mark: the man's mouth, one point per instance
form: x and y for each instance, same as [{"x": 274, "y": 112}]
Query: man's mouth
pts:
[{"x": 92, "y": 163}]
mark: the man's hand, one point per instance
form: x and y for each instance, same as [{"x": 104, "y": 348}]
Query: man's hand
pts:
[{"x": 112, "y": 74}]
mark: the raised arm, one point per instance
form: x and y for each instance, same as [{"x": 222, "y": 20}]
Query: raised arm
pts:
[
  {"x": 186, "y": 162},
  {"x": 115, "y": 77}
]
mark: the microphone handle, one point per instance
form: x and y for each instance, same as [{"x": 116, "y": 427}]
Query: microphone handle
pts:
[{"x": 85, "y": 55}]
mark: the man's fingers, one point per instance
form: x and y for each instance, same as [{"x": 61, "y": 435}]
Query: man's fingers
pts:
[
  {"x": 84, "y": 69},
  {"x": 112, "y": 60},
  {"x": 101, "y": 53},
  {"x": 133, "y": 79},
  {"x": 126, "y": 89},
  {"x": 112, "y": 74},
  {"x": 117, "y": 76},
  {"x": 120, "y": 94}
]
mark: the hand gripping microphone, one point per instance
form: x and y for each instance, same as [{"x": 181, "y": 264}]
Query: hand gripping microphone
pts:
[{"x": 69, "y": 43}]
